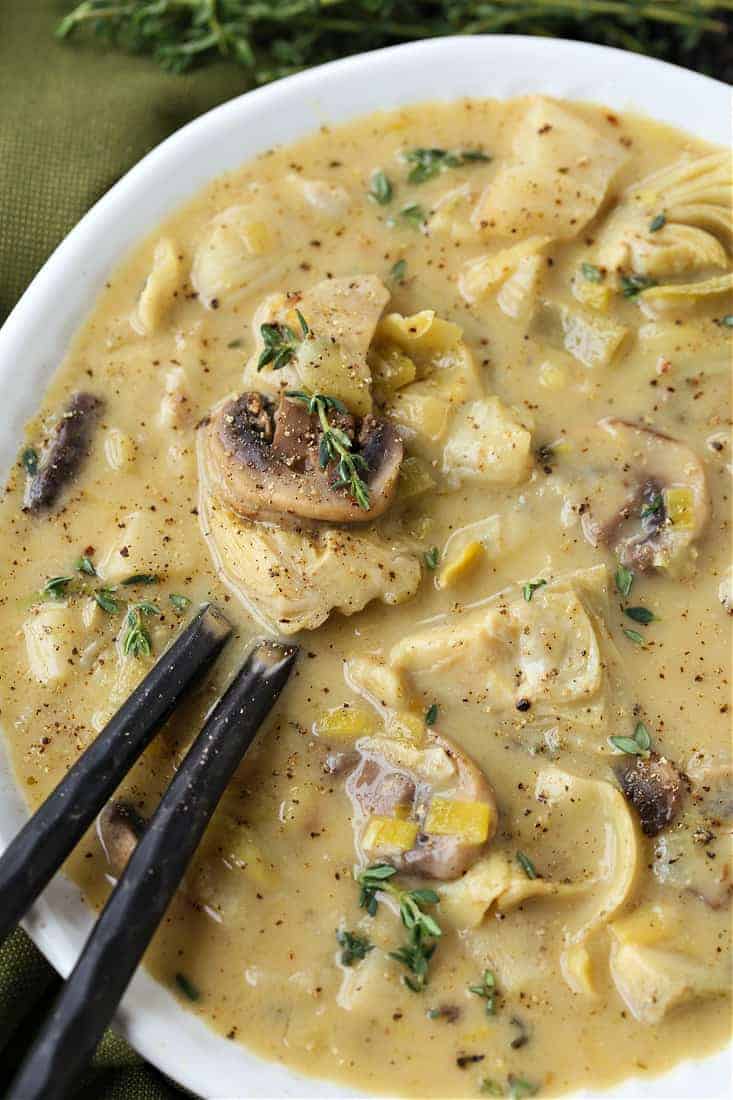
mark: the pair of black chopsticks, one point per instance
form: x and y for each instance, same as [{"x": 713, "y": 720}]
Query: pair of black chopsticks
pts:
[{"x": 128, "y": 921}]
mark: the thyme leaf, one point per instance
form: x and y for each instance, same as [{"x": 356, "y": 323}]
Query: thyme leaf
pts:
[
  {"x": 624, "y": 580},
  {"x": 591, "y": 273},
  {"x": 106, "y": 600},
  {"x": 398, "y": 271},
  {"x": 529, "y": 589},
  {"x": 336, "y": 447},
  {"x": 487, "y": 990},
  {"x": 136, "y": 641},
  {"x": 85, "y": 565},
  {"x": 29, "y": 460},
  {"x": 55, "y": 588},
  {"x": 280, "y": 344},
  {"x": 428, "y": 163},
  {"x": 431, "y": 557},
  {"x": 640, "y": 615},
  {"x": 527, "y": 865},
  {"x": 658, "y": 222},
  {"x": 633, "y": 636},
  {"x": 638, "y": 745},
  {"x": 631, "y": 285},
  {"x": 431, "y": 714},
  {"x": 381, "y": 190},
  {"x": 179, "y": 602},
  {"x": 353, "y": 947}
]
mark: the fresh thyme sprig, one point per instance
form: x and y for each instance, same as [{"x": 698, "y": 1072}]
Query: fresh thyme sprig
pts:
[
  {"x": 280, "y": 343},
  {"x": 136, "y": 641},
  {"x": 271, "y": 40},
  {"x": 487, "y": 990},
  {"x": 353, "y": 947},
  {"x": 335, "y": 446},
  {"x": 427, "y": 163},
  {"x": 424, "y": 930}
]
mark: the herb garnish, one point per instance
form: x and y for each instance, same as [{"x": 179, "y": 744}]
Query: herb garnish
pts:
[
  {"x": 431, "y": 557},
  {"x": 529, "y": 589},
  {"x": 55, "y": 588},
  {"x": 633, "y": 636},
  {"x": 280, "y": 343},
  {"x": 29, "y": 460},
  {"x": 487, "y": 990},
  {"x": 658, "y": 222},
  {"x": 187, "y": 987},
  {"x": 489, "y": 1087},
  {"x": 591, "y": 273},
  {"x": 179, "y": 602},
  {"x": 335, "y": 446},
  {"x": 624, "y": 580},
  {"x": 423, "y": 929},
  {"x": 136, "y": 641},
  {"x": 236, "y": 343},
  {"x": 727, "y": 320},
  {"x": 353, "y": 947},
  {"x": 414, "y": 214},
  {"x": 527, "y": 865},
  {"x": 141, "y": 578},
  {"x": 639, "y": 744},
  {"x": 640, "y": 615},
  {"x": 381, "y": 190},
  {"x": 431, "y": 714},
  {"x": 631, "y": 285},
  {"x": 653, "y": 507},
  {"x": 427, "y": 163},
  {"x": 519, "y": 1087},
  {"x": 398, "y": 271},
  {"x": 106, "y": 600},
  {"x": 85, "y": 565}
]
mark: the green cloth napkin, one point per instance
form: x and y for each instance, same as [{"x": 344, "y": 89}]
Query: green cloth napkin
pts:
[{"x": 73, "y": 119}]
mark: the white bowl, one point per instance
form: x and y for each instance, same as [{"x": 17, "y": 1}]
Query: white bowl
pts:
[{"x": 33, "y": 340}]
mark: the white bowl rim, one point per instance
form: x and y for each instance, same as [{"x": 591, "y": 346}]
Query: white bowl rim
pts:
[{"x": 483, "y": 66}]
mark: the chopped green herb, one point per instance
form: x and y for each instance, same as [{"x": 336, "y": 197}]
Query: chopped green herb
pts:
[
  {"x": 487, "y": 990},
  {"x": 279, "y": 345},
  {"x": 624, "y": 580},
  {"x": 106, "y": 600},
  {"x": 431, "y": 714},
  {"x": 141, "y": 578},
  {"x": 377, "y": 877},
  {"x": 631, "y": 285},
  {"x": 489, "y": 1087},
  {"x": 29, "y": 460},
  {"x": 187, "y": 987},
  {"x": 398, "y": 271},
  {"x": 653, "y": 507},
  {"x": 519, "y": 1087},
  {"x": 431, "y": 557},
  {"x": 727, "y": 320},
  {"x": 372, "y": 880},
  {"x": 427, "y": 163},
  {"x": 637, "y": 745},
  {"x": 529, "y": 589},
  {"x": 381, "y": 190},
  {"x": 527, "y": 865},
  {"x": 353, "y": 947},
  {"x": 85, "y": 565},
  {"x": 55, "y": 588},
  {"x": 658, "y": 222},
  {"x": 640, "y": 615},
  {"x": 137, "y": 641},
  {"x": 415, "y": 955},
  {"x": 413, "y": 214},
  {"x": 238, "y": 343},
  {"x": 335, "y": 446},
  {"x": 591, "y": 273},
  {"x": 633, "y": 636},
  {"x": 179, "y": 602}
]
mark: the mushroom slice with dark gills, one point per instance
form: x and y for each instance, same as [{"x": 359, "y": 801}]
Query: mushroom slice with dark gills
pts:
[
  {"x": 119, "y": 827},
  {"x": 649, "y": 502},
  {"x": 64, "y": 453},
  {"x": 655, "y": 788},
  {"x": 425, "y": 808},
  {"x": 268, "y": 461}
]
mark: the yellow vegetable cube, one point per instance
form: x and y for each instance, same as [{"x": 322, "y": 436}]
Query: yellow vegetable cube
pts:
[
  {"x": 468, "y": 820},
  {"x": 460, "y": 567},
  {"x": 389, "y": 834},
  {"x": 680, "y": 508},
  {"x": 346, "y": 724}
]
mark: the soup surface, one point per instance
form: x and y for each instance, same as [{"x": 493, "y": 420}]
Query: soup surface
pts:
[{"x": 494, "y": 512}]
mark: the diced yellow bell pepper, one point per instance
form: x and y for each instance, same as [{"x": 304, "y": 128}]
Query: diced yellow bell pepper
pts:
[
  {"x": 346, "y": 724},
  {"x": 680, "y": 507},
  {"x": 389, "y": 834},
  {"x": 463, "y": 564},
  {"x": 468, "y": 820},
  {"x": 414, "y": 479},
  {"x": 406, "y": 727}
]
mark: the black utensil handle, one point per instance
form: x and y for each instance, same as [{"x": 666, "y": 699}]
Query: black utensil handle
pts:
[
  {"x": 129, "y": 919},
  {"x": 36, "y": 853}
]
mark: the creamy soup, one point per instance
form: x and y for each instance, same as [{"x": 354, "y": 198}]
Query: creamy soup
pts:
[{"x": 442, "y": 395}]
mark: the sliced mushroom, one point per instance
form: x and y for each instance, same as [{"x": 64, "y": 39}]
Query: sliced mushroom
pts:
[
  {"x": 654, "y": 788},
  {"x": 263, "y": 461},
  {"x": 650, "y": 499},
  {"x": 119, "y": 827},
  {"x": 64, "y": 452},
  {"x": 434, "y": 809}
]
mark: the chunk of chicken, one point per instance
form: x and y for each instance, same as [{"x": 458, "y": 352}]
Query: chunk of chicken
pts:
[
  {"x": 488, "y": 444},
  {"x": 649, "y": 499},
  {"x": 292, "y": 580},
  {"x": 556, "y": 180},
  {"x": 425, "y": 809}
]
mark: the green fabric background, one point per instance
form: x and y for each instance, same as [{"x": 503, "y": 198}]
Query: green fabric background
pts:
[{"x": 73, "y": 119}]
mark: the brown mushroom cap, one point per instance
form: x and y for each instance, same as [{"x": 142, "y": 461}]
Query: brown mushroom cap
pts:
[
  {"x": 655, "y": 790},
  {"x": 261, "y": 460},
  {"x": 119, "y": 827},
  {"x": 386, "y": 778},
  {"x": 627, "y": 511}
]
